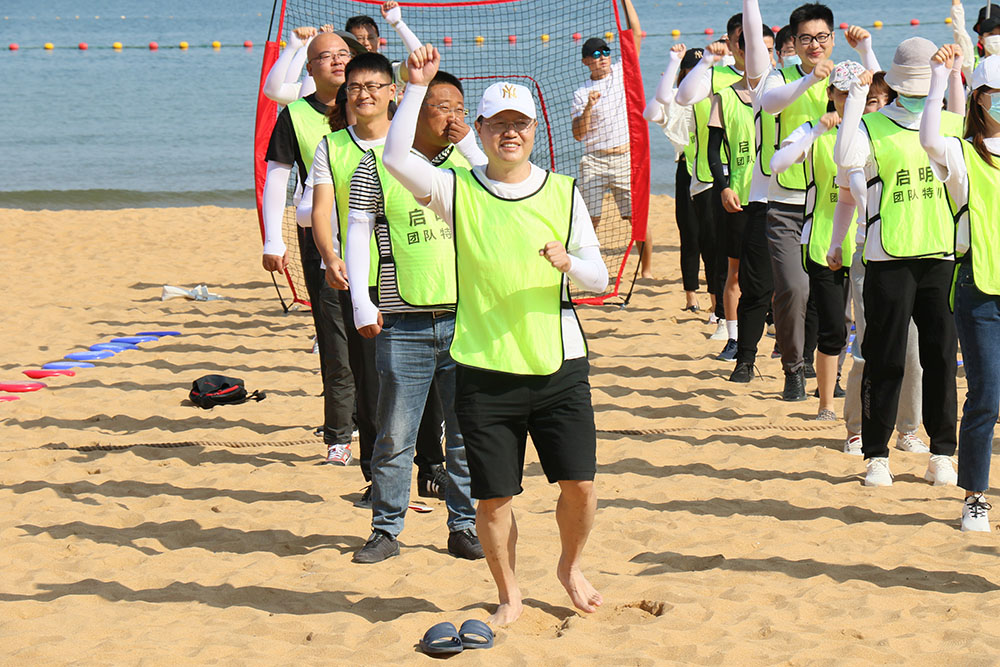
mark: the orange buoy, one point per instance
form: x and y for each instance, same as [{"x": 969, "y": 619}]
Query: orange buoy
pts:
[
  {"x": 709, "y": 31},
  {"x": 382, "y": 41},
  {"x": 248, "y": 44},
  {"x": 512, "y": 39},
  {"x": 153, "y": 46},
  {"x": 577, "y": 36},
  {"x": 914, "y": 22},
  {"x": 13, "y": 47},
  {"x": 447, "y": 41},
  {"x": 844, "y": 26},
  {"x": 82, "y": 46}
]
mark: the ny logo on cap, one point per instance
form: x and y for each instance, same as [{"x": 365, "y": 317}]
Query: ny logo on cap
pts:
[{"x": 509, "y": 91}]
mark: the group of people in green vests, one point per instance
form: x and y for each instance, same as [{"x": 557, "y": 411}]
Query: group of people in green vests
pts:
[
  {"x": 439, "y": 271},
  {"x": 820, "y": 180}
]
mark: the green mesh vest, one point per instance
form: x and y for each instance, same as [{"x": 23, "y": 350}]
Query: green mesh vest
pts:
[
  {"x": 821, "y": 200},
  {"x": 310, "y": 127},
  {"x": 811, "y": 104},
  {"x": 737, "y": 116},
  {"x": 345, "y": 154}
]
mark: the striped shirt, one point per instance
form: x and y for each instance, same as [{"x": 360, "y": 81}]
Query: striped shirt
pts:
[{"x": 366, "y": 195}]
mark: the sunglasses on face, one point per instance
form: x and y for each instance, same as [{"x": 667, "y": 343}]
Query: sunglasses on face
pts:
[{"x": 599, "y": 53}]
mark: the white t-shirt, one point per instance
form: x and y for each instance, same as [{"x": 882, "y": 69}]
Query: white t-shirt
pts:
[
  {"x": 608, "y": 120},
  {"x": 759, "y": 183},
  {"x": 776, "y": 193},
  {"x": 955, "y": 176},
  {"x": 581, "y": 234}
]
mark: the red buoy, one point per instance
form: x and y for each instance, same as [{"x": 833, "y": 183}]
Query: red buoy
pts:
[
  {"x": 643, "y": 33},
  {"x": 914, "y": 22},
  {"x": 776, "y": 29},
  {"x": 576, "y": 37},
  {"x": 382, "y": 41},
  {"x": 843, "y": 26},
  {"x": 447, "y": 40},
  {"x": 512, "y": 39},
  {"x": 83, "y": 46},
  {"x": 13, "y": 47},
  {"x": 248, "y": 44},
  {"x": 709, "y": 31},
  {"x": 153, "y": 46}
]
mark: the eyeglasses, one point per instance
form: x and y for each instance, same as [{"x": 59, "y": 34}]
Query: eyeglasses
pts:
[
  {"x": 326, "y": 55},
  {"x": 502, "y": 126},
  {"x": 446, "y": 110},
  {"x": 372, "y": 88},
  {"x": 821, "y": 38},
  {"x": 597, "y": 53}
]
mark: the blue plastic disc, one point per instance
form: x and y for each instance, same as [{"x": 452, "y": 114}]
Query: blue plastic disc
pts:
[
  {"x": 159, "y": 334},
  {"x": 89, "y": 356},
  {"x": 56, "y": 365},
  {"x": 114, "y": 347},
  {"x": 134, "y": 339}
]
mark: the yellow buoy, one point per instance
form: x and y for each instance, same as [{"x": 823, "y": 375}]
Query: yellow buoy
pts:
[
  {"x": 183, "y": 45},
  {"x": 49, "y": 46},
  {"x": 675, "y": 33},
  {"x": 545, "y": 38},
  {"x": 608, "y": 36},
  {"x": 117, "y": 46},
  {"x": 948, "y": 20},
  {"x": 480, "y": 39},
  {"x": 216, "y": 44},
  {"x": 878, "y": 24},
  {"x": 284, "y": 43}
]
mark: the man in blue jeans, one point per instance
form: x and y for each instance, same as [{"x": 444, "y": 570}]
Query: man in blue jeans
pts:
[{"x": 414, "y": 321}]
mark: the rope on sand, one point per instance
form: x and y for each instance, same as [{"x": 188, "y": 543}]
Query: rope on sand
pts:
[
  {"x": 193, "y": 443},
  {"x": 724, "y": 429}
]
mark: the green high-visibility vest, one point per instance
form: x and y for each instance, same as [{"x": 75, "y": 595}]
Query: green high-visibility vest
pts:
[
  {"x": 508, "y": 317},
  {"x": 420, "y": 243},
  {"x": 722, "y": 77},
  {"x": 764, "y": 129},
  {"x": 310, "y": 127},
  {"x": 821, "y": 200},
  {"x": 345, "y": 155},
  {"x": 915, "y": 219},
  {"x": 984, "y": 242},
  {"x": 811, "y": 104},
  {"x": 737, "y": 116}
]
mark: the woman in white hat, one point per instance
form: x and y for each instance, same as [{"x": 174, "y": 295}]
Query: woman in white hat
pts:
[
  {"x": 970, "y": 168},
  {"x": 909, "y": 251}
]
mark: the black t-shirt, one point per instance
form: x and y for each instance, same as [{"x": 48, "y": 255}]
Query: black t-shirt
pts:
[{"x": 284, "y": 146}]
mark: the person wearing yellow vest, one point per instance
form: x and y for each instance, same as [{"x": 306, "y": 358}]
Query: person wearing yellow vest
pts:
[
  {"x": 909, "y": 255},
  {"x": 696, "y": 90},
  {"x": 731, "y": 129},
  {"x": 970, "y": 168},
  {"x": 521, "y": 234},
  {"x": 299, "y": 128},
  {"x": 413, "y": 323}
]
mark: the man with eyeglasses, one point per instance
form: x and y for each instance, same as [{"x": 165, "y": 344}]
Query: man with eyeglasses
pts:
[
  {"x": 521, "y": 234},
  {"x": 413, "y": 323},
  {"x": 599, "y": 122},
  {"x": 300, "y": 127}
]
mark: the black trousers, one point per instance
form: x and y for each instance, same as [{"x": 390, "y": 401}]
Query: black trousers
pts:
[
  {"x": 828, "y": 291},
  {"x": 756, "y": 282},
  {"x": 704, "y": 212},
  {"x": 331, "y": 339},
  {"x": 811, "y": 331},
  {"x": 895, "y": 291},
  {"x": 693, "y": 240},
  {"x": 362, "y": 356}
]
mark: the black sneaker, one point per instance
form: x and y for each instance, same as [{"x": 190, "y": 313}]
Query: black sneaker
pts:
[
  {"x": 795, "y": 387},
  {"x": 743, "y": 372},
  {"x": 366, "y": 499},
  {"x": 808, "y": 370},
  {"x": 378, "y": 547},
  {"x": 728, "y": 352},
  {"x": 433, "y": 482},
  {"x": 838, "y": 391},
  {"x": 465, "y": 544}
]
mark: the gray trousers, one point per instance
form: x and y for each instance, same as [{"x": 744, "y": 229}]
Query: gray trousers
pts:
[
  {"x": 911, "y": 393},
  {"x": 791, "y": 282}
]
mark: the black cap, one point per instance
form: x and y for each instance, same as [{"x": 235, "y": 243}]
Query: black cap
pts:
[
  {"x": 989, "y": 18},
  {"x": 593, "y": 44},
  {"x": 691, "y": 58}
]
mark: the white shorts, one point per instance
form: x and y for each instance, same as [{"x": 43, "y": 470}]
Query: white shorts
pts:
[{"x": 602, "y": 172}]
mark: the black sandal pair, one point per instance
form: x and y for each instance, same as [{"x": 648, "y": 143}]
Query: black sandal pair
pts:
[{"x": 443, "y": 638}]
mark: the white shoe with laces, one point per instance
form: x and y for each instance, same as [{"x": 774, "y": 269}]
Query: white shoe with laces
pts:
[
  {"x": 941, "y": 471},
  {"x": 339, "y": 455},
  {"x": 878, "y": 472},
  {"x": 909, "y": 442},
  {"x": 974, "y": 514},
  {"x": 852, "y": 445},
  {"x": 721, "y": 332}
]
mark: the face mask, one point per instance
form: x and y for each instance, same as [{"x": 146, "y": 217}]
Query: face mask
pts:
[
  {"x": 793, "y": 60},
  {"x": 912, "y": 104},
  {"x": 991, "y": 44},
  {"x": 994, "y": 110}
]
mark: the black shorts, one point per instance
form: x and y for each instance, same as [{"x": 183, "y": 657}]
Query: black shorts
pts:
[
  {"x": 497, "y": 411},
  {"x": 735, "y": 224}
]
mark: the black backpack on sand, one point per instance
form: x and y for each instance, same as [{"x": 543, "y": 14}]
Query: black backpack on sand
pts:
[{"x": 211, "y": 390}]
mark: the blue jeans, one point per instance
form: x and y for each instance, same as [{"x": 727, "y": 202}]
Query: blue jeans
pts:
[
  {"x": 977, "y": 318},
  {"x": 411, "y": 351}
]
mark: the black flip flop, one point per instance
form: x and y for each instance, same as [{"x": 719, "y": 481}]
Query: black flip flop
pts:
[
  {"x": 475, "y": 634},
  {"x": 441, "y": 639}
]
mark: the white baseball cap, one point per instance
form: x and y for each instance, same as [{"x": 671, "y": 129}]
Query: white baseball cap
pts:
[
  {"x": 506, "y": 96},
  {"x": 987, "y": 74}
]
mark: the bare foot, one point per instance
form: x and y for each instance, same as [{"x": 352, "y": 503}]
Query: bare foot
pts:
[
  {"x": 647, "y": 274},
  {"x": 505, "y": 614},
  {"x": 584, "y": 596}
]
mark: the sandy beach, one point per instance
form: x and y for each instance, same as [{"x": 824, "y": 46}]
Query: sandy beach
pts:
[{"x": 139, "y": 529}]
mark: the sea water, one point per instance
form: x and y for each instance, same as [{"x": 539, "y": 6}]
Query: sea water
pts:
[{"x": 103, "y": 128}]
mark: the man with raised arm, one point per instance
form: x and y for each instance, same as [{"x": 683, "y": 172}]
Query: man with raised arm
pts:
[{"x": 521, "y": 234}]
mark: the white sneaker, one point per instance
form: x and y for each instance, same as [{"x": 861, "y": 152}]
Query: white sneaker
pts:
[
  {"x": 852, "y": 445},
  {"x": 909, "y": 442},
  {"x": 721, "y": 332},
  {"x": 339, "y": 455},
  {"x": 878, "y": 472},
  {"x": 712, "y": 319},
  {"x": 974, "y": 517},
  {"x": 315, "y": 345},
  {"x": 941, "y": 471}
]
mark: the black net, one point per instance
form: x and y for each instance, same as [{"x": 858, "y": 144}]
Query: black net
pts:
[{"x": 539, "y": 44}]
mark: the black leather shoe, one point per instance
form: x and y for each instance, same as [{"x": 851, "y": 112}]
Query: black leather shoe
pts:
[
  {"x": 743, "y": 372},
  {"x": 378, "y": 547},
  {"x": 795, "y": 387},
  {"x": 432, "y": 483},
  {"x": 465, "y": 544}
]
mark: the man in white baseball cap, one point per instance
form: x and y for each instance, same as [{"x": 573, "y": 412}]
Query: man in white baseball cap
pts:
[{"x": 521, "y": 234}]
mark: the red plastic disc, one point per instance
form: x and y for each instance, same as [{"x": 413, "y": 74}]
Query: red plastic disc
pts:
[
  {"x": 38, "y": 373},
  {"x": 21, "y": 387}
]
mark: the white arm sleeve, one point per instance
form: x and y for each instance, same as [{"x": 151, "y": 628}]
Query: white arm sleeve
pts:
[
  {"x": 956, "y": 89},
  {"x": 655, "y": 111},
  {"x": 697, "y": 85},
  {"x": 273, "y": 206},
  {"x": 758, "y": 60},
  {"x": 930, "y": 121},
  {"x": 795, "y": 148},
  {"x": 410, "y": 41},
  {"x": 842, "y": 216},
  {"x": 360, "y": 225},
  {"x": 276, "y": 86},
  {"x": 469, "y": 147},
  {"x": 854, "y": 107},
  {"x": 303, "y": 212},
  {"x": 867, "y": 53},
  {"x": 777, "y": 99},
  {"x": 961, "y": 36},
  {"x": 587, "y": 269},
  {"x": 414, "y": 174}
]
